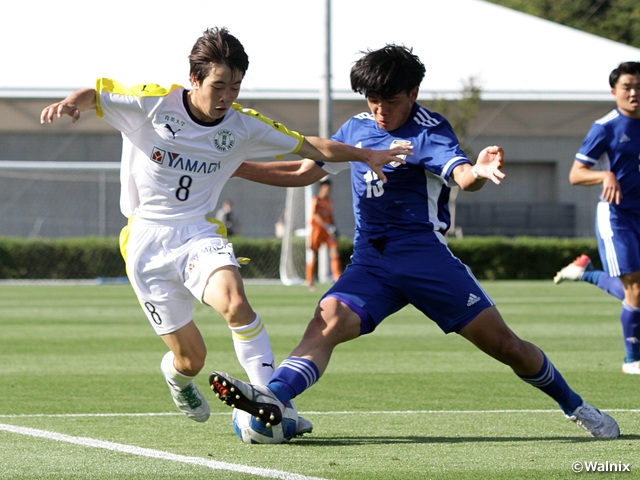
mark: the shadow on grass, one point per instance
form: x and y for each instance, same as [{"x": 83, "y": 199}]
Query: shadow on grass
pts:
[{"x": 347, "y": 441}]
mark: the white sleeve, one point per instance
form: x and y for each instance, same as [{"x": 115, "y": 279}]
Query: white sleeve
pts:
[{"x": 334, "y": 167}]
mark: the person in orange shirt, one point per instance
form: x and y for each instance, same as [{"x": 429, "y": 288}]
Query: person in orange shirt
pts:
[{"x": 323, "y": 231}]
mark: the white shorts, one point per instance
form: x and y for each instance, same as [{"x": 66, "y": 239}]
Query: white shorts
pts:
[{"x": 169, "y": 263}]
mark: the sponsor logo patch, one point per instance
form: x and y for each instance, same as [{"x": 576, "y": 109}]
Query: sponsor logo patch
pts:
[
  {"x": 177, "y": 161},
  {"x": 157, "y": 155}
]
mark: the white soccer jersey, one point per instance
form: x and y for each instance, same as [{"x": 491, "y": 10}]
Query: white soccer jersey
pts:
[{"x": 174, "y": 165}]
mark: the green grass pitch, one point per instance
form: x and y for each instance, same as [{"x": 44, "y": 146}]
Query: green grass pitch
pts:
[{"x": 83, "y": 397}]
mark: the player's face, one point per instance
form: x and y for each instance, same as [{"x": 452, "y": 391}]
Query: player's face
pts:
[
  {"x": 627, "y": 93},
  {"x": 212, "y": 98},
  {"x": 391, "y": 113}
]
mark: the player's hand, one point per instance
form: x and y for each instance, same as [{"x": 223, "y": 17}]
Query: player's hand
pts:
[
  {"x": 379, "y": 158},
  {"x": 490, "y": 161},
  {"x": 611, "y": 191},
  {"x": 59, "y": 109}
]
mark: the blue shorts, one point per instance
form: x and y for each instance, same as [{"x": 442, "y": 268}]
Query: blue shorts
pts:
[
  {"x": 618, "y": 234},
  {"x": 419, "y": 270}
]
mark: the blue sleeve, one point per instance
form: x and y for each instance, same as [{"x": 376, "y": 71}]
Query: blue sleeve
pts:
[
  {"x": 441, "y": 151},
  {"x": 593, "y": 145}
]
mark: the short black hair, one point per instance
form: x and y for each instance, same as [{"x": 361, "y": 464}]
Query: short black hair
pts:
[
  {"x": 217, "y": 46},
  {"x": 625, "y": 68},
  {"x": 325, "y": 181},
  {"x": 387, "y": 72}
]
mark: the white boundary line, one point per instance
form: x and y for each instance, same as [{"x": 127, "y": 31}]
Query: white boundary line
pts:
[
  {"x": 309, "y": 412},
  {"x": 149, "y": 453},
  {"x": 213, "y": 464}
]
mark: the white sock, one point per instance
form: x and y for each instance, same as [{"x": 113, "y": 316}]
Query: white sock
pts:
[
  {"x": 253, "y": 350},
  {"x": 172, "y": 375}
]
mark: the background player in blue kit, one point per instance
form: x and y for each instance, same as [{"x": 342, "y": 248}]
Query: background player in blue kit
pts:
[
  {"x": 613, "y": 143},
  {"x": 400, "y": 254}
]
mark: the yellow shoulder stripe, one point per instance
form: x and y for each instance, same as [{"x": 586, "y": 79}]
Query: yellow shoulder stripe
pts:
[
  {"x": 276, "y": 125},
  {"x": 143, "y": 90}
]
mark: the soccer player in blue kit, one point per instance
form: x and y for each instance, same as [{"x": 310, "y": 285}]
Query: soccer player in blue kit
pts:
[
  {"x": 613, "y": 144},
  {"x": 400, "y": 254}
]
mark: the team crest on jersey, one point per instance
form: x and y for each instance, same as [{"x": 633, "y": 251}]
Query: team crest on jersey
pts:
[
  {"x": 398, "y": 143},
  {"x": 224, "y": 140}
]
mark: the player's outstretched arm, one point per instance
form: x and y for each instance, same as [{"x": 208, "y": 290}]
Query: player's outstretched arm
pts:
[
  {"x": 79, "y": 101},
  {"x": 488, "y": 165},
  {"x": 297, "y": 173},
  {"x": 324, "y": 150}
]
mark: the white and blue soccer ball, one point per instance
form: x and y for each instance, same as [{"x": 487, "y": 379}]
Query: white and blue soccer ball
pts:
[{"x": 250, "y": 430}]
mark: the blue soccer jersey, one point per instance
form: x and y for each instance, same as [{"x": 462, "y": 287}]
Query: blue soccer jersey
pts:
[
  {"x": 416, "y": 194},
  {"x": 400, "y": 256},
  {"x": 613, "y": 143}
]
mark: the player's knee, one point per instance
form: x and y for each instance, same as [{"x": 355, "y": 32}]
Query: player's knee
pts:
[
  {"x": 236, "y": 311},
  {"x": 511, "y": 351},
  {"x": 190, "y": 364},
  {"x": 334, "y": 323},
  {"x": 236, "y": 305}
]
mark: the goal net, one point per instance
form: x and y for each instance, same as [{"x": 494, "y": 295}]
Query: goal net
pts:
[
  {"x": 81, "y": 199},
  {"x": 59, "y": 199},
  {"x": 294, "y": 236}
]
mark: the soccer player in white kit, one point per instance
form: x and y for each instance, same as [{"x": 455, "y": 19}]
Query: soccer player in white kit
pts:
[{"x": 180, "y": 146}]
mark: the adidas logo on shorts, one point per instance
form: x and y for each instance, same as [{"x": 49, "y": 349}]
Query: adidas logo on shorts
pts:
[{"x": 473, "y": 299}]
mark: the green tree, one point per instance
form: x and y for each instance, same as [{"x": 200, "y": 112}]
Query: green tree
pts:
[
  {"x": 617, "y": 20},
  {"x": 460, "y": 112}
]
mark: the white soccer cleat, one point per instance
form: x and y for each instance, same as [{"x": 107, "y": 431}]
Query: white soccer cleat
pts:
[
  {"x": 191, "y": 402},
  {"x": 256, "y": 400},
  {"x": 632, "y": 368},
  {"x": 597, "y": 424},
  {"x": 574, "y": 270}
]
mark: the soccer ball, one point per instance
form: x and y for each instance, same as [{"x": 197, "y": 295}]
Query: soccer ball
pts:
[{"x": 250, "y": 430}]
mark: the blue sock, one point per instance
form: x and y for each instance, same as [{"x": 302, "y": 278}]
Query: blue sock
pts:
[
  {"x": 602, "y": 280},
  {"x": 630, "y": 319},
  {"x": 591, "y": 276},
  {"x": 551, "y": 382},
  {"x": 293, "y": 376}
]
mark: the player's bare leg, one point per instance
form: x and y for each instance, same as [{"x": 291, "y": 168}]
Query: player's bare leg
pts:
[
  {"x": 333, "y": 323},
  {"x": 630, "y": 319},
  {"x": 336, "y": 267},
  {"x": 225, "y": 293},
  {"x": 188, "y": 347},
  {"x": 310, "y": 270},
  {"x": 185, "y": 359},
  {"x": 490, "y": 334}
]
